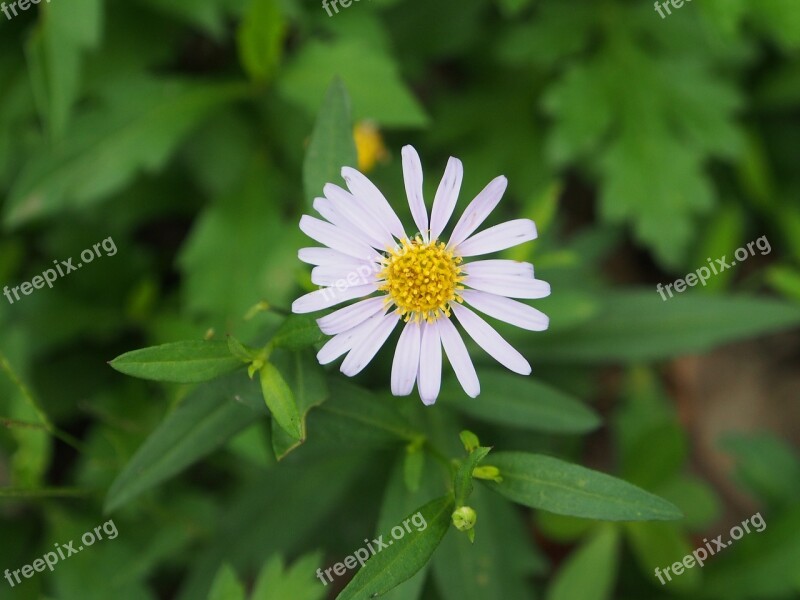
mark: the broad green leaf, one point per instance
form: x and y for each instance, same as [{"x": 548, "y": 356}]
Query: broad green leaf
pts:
[
  {"x": 462, "y": 482},
  {"x": 226, "y": 586},
  {"x": 516, "y": 401},
  {"x": 260, "y": 39},
  {"x": 280, "y": 400},
  {"x": 306, "y": 379},
  {"x": 360, "y": 66},
  {"x": 766, "y": 465},
  {"x": 138, "y": 127},
  {"x": 697, "y": 500},
  {"x": 354, "y": 416},
  {"x": 297, "y": 333},
  {"x": 404, "y": 557},
  {"x": 638, "y": 325},
  {"x": 662, "y": 545},
  {"x": 275, "y": 582},
  {"x": 332, "y": 145},
  {"x": 206, "y": 419},
  {"x": 179, "y": 362},
  {"x": 550, "y": 484},
  {"x": 590, "y": 571}
]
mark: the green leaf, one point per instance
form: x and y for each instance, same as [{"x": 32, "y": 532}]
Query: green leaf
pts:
[
  {"x": 260, "y": 39},
  {"x": 178, "y": 362},
  {"x": 297, "y": 333},
  {"x": 226, "y": 586},
  {"x": 639, "y": 326},
  {"x": 354, "y": 416},
  {"x": 138, "y": 128},
  {"x": 210, "y": 415},
  {"x": 550, "y": 484},
  {"x": 307, "y": 381},
  {"x": 590, "y": 571},
  {"x": 404, "y": 557},
  {"x": 521, "y": 402},
  {"x": 360, "y": 65},
  {"x": 462, "y": 481},
  {"x": 332, "y": 145},
  {"x": 280, "y": 400},
  {"x": 662, "y": 545},
  {"x": 296, "y": 583}
]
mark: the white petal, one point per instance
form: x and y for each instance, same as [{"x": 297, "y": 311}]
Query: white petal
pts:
[
  {"x": 412, "y": 175},
  {"x": 477, "y": 211},
  {"x": 507, "y": 310},
  {"x": 330, "y": 296},
  {"x": 430, "y": 364},
  {"x": 322, "y": 256},
  {"x": 347, "y": 340},
  {"x": 368, "y": 346},
  {"x": 459, "y": 358},
  {"x": 511, "y": 286},
  {"x": 406, "y": 360},
  {"x": 345, "y": 275},
  {"x": 346, "y": 318},
  {"x": 357, "y": 213},
  {"x": 446, "y": 197},
  {"x": 491, "y": 341},
  {"x": 511, "y": 268},
  {"x": 326, "y": 208},
  {"x": 335, "y": 238},
  {"x": 362, "y": 188},
  {"x": 502, "y": 236}
]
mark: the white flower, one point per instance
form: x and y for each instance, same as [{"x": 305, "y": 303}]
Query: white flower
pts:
[{"x": 421, "y": 280}]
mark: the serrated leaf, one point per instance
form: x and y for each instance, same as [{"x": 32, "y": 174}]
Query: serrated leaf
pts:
[
  {"x": 179, "y": 362},
  {"x": 551, "y": 484},
  {"x": 275, "y": 582},
  {"x": 226, "y": 585},
  {"x": 280, "y": 400},
  {"x": 521, "y": 402},
  {"x": 332, "y": 145},
  {"x": 210, "y": 415},
  {"x": 404, "y": 557}
]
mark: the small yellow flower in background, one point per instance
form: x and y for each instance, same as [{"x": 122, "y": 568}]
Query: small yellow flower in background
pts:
[{"x": 369, "y": 145}]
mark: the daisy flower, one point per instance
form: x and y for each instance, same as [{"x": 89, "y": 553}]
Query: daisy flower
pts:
[{"x": 420, "y": 280}]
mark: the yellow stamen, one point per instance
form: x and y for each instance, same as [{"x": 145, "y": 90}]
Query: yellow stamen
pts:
[{"x": 422, "y": 279}]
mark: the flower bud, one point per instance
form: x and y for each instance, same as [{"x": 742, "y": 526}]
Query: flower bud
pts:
[{"x": 464, "y": 518}]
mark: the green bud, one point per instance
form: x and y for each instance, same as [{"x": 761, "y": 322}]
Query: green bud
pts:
[
  {"x": 488, "y": 473},
  {"x": 469, "y": 439},
  {"x": 464, "y": 518}
]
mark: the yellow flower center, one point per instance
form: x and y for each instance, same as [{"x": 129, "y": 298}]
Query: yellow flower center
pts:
[{"x": 422, "y": 279}]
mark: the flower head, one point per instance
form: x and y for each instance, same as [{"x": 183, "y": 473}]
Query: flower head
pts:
[{"x": 419, "y": 280}]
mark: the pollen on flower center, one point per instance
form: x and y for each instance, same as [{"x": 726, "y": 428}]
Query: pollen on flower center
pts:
[{"x": 422, "y": 279}]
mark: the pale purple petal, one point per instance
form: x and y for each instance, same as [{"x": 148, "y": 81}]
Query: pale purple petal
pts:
[
  {"x": 511, "y": 286},
  {"x": 356, "y": 213},
  {"x": 361, "y": 187},
  {"x": 367, "y": 347},
  {"x": 507, "y": 310},
  {"x": 511, "y": 268},
  {"x": 477, "y": 211},
  {"x": 430, "y": 364},
  {"x": 459, "y": 358},
  {"x": 446, "y": 197},
  {"x": 322, "y": 256},
  {"x": 331, "y": 296},
  {"x": 327, "y": 209},
  {"x": 348, "y": 317},
  {"x": 412, "y": 175},
  {"x": 491, "y": 341},
  {"x": 406, "y": 360},
  {"x": 345, "y": 341},
  {"x": 345, "y": 275},
  {"x": 335, "y": 238},
  {"x": 502, "y": 236}
]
